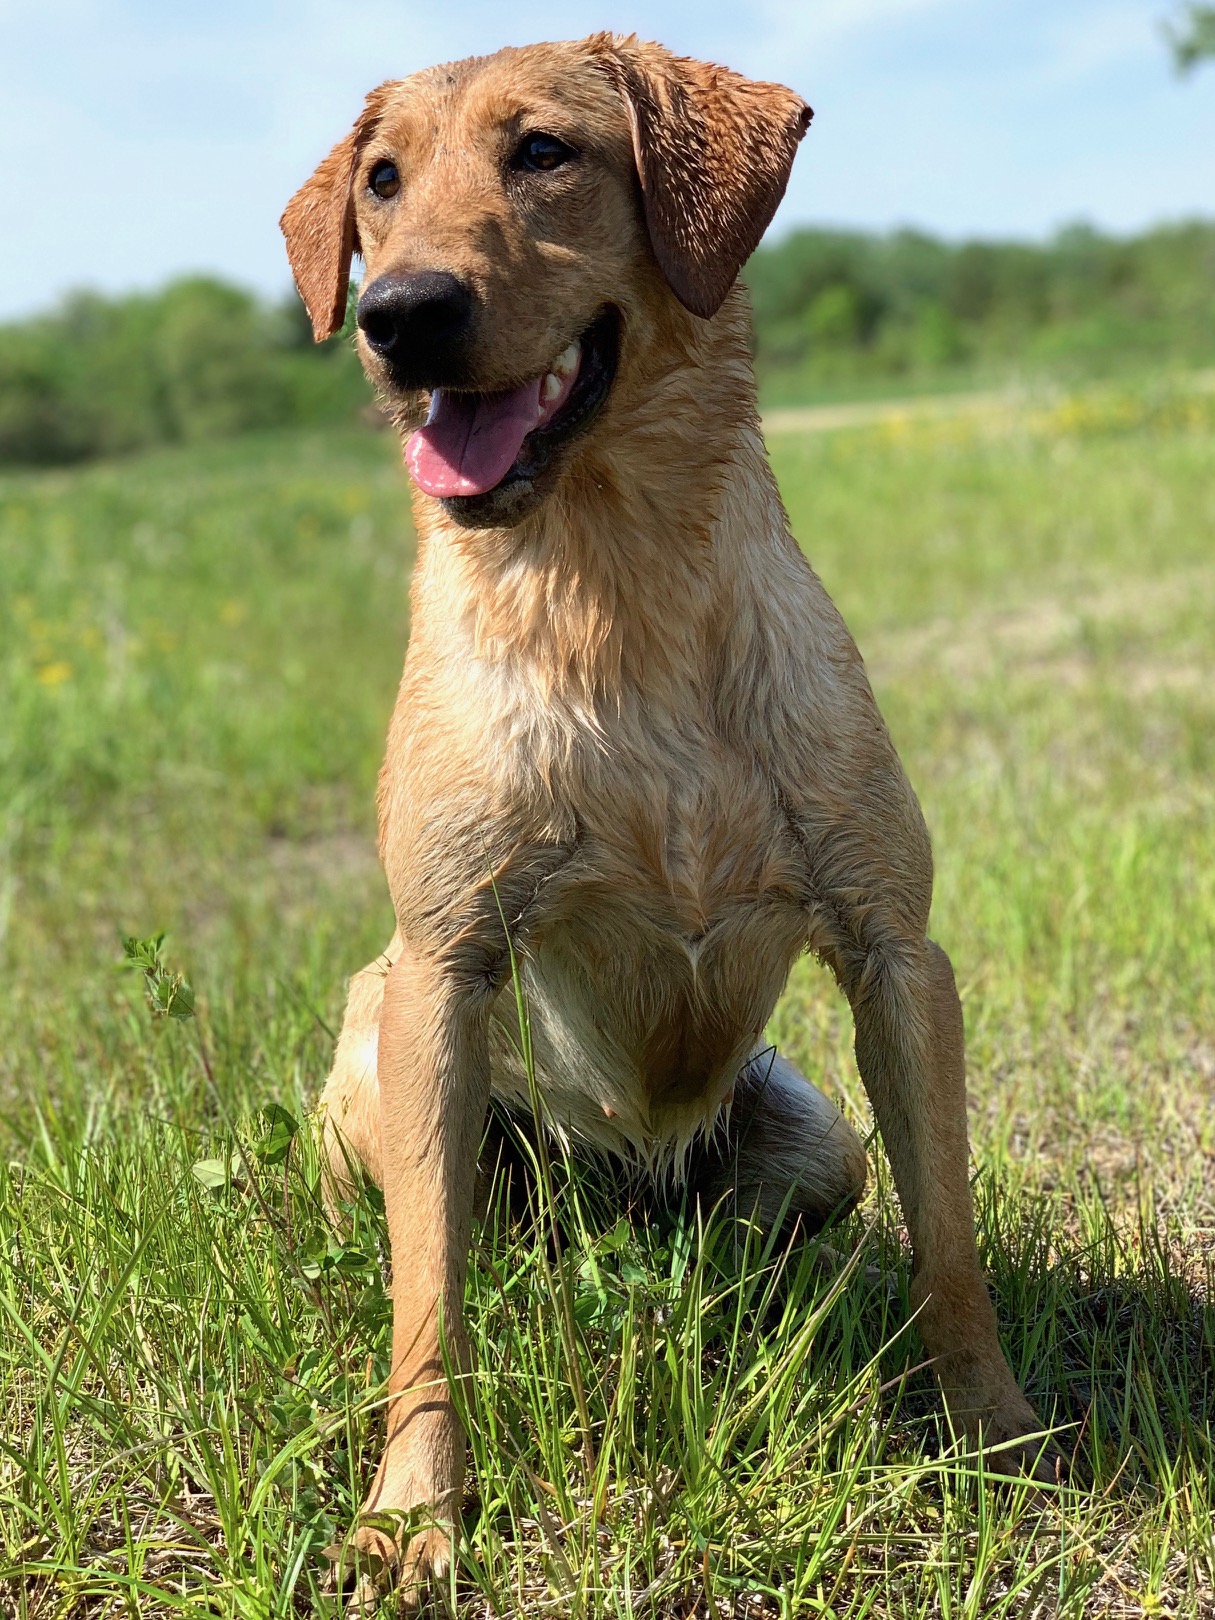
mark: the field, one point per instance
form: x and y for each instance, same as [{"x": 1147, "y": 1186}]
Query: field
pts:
[{"x": 198, "y": 655}]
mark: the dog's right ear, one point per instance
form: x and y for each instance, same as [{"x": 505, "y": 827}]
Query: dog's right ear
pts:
[{"x": 318, "y": 224}]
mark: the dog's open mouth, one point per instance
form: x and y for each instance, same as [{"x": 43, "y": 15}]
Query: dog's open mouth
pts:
[{"x": 475, "y": 443}]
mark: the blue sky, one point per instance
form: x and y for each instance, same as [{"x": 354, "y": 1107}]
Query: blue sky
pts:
[{"x": 139, "y": 138}]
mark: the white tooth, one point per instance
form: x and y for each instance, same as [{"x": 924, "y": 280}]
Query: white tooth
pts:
[
  {"x": 550, "y": 388},
  {"x": 566, "y": 360}
]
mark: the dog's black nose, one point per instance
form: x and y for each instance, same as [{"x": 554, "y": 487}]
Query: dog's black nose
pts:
[{"x": 417, "y": 323}]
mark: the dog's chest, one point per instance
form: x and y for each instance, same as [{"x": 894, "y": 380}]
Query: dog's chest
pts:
[
  {"x": 693, "y": 835},
  {"x": 654, "y": 954},
  {"x": 658, "y": 952},
  {"x": 673, "y": 819}
]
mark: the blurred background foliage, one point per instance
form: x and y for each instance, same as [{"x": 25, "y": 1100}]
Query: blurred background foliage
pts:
[
  {"x": 841, "y": 307},
  {"x": 1192, "y": 36},
  {"x": 198, "y": 360},
  {"x": 837, "y": 313}
]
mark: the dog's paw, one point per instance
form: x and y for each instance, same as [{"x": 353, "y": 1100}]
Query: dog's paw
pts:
[
  {"x": 426, "y": 1561},
  {"x": 378, "y": 1560},
  {"x": 1015, "y": 1443},
  {"x": 363, "y": 1569}
]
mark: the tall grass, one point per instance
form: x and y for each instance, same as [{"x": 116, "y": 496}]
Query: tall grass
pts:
[{"x": 667, "y": 1414}]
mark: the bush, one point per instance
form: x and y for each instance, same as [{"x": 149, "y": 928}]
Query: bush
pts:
[
  {"x": 198, "y": 360},
  {"x": 837, "y": 303}
]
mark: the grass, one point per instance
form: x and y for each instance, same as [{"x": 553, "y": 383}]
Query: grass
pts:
[{"x": 198, "y": 652}]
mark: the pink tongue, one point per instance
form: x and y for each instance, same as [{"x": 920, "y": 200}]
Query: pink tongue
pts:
[{"x": 471, "y": 440}]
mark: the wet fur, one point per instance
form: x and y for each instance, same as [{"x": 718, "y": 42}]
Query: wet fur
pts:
[{"x": 634, "y": 725}]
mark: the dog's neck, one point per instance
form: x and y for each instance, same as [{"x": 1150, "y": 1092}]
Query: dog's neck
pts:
[{"x": 612, "y": 583}]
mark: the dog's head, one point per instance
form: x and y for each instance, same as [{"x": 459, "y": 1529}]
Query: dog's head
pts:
[{"x": 521, "y": 217}]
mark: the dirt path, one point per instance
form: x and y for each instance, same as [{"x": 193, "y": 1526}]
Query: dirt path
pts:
[{"x": 866, "y": 413}]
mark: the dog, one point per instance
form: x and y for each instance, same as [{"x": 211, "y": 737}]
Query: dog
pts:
[{"x": 634, "y": 751}]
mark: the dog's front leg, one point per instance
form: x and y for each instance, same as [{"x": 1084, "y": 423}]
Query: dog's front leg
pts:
[
  {"x": 909, "y": 1048},
  {"x": 434, "y": 1090}
]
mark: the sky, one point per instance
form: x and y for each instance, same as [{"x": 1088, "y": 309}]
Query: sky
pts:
[{"x": 145, "y": 138}]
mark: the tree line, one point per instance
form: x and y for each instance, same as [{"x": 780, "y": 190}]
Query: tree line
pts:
[
  {"x": 839, "y": 305},
  {"x": 201, "y": 359}
]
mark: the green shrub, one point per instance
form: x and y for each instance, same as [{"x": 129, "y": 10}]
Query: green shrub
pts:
[
  {"x": 830, "y": 304},
  {"x": 198, "y": 360}
]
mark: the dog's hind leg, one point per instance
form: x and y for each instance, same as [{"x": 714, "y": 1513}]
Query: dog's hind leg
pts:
[
  {"x": 350, "y": 1102},
  {"x": 785, "y": 1152}
]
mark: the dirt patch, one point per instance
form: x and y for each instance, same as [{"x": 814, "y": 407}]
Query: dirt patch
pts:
[{"x": 1051, "y": 638}]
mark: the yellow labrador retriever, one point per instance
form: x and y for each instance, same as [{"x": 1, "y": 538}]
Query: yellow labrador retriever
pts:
[{"x": 631, "y": 722}]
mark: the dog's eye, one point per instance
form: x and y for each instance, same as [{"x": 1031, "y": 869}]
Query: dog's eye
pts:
[
  {"x": 542, "y": 153},
  {"x": 384, "y": 180}
]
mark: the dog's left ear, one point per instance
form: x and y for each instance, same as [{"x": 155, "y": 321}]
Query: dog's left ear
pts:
[
  {"x": 713, "y": 153},
  {"x": 319, "y": 226}
]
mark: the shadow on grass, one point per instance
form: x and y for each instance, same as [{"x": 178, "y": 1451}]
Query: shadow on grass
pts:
[
  {"x": 1111, "y": 1332},
  {"x": 1111, "y": 1329}
]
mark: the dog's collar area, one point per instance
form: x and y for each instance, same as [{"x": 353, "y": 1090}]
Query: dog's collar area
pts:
[{"x": 515, "y": 493}]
